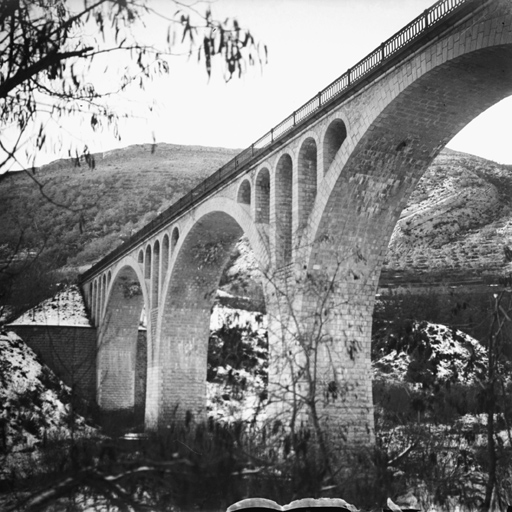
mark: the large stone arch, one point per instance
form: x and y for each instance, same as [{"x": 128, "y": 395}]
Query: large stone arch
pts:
[
  {"x": 371, "y": 179},
  {"x": 117, "y": 339},
  {"x": 201, "y": 254},
  {"x": 379, "y": 171}
]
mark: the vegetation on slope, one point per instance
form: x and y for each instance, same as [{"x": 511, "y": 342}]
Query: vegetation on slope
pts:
[
  {"x": 90, "y": 211},
  {"x": 458, "y": 220}
]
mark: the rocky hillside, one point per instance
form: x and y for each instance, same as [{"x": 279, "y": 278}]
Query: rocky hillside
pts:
[
  {"x": 35, "y": 406},
  {"x": 458, "y": 220}
]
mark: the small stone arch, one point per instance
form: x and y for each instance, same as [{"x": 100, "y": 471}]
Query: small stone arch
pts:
[
  {"x": 94, "y": 300},
  {"x": 117, "y": 344},
  {"x": 262, "y": 199},
  {"x": 175, "y": 236},
  {"x": 244, "y": 193},
  {"x": 283, "y": 210},
  {"x": 306, "y": 178},
  {"x": 98, "y": 300},
  {"x": 155, "y": 274},
  {"x": 141, "y": 257},
  {"x": 147, "y": 263},
  {"x": 165, "y": 255},
  {"x": 103, "y": 294},
  {"x": 334, "y": 137}
]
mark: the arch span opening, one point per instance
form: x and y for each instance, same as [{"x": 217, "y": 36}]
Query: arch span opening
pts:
[
  {"x": 307, "y": 179},
  {"x": 122, "y": 351},
  {"x": 389, "y": 158},
  {"x": 283, "y": 209},
  {"x": 244, "y": 192},
  {"x": 334, "y": 137},
  {"x": 263, "y": 196},
  {"x": 186, "y": 317},
  {"x": 175, "y": 236}
]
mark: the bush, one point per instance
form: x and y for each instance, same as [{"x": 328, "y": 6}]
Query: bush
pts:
[{"x": 400, "y": 404}]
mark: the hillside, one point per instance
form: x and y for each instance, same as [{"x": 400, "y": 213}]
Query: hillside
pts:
[
  {"x": 102, "y": 206},
  {"x": 458, "y": 222},
  {"x": 99, "y": 209}
]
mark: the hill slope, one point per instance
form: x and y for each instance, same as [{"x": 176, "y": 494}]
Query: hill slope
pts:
[
  {"x": 99, "y": 209},
  {"x": 457, "y": 221},
  {"x": 101, "y": 206}
]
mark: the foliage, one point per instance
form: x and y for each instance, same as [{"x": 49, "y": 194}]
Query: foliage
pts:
[
  {"x": 189, "y": 466},
  {"x": 441, "y": 460},
  {"x": 62, "y": 60},
  {"x": 53, "y": 56},
  {"x": 237, "y": 371},
  {"x": 459, "y": 421},
  {"x": 456, "y": 307}
]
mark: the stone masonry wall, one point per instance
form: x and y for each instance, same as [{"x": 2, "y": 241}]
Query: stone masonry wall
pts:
[{"x": 69, "y": 351}]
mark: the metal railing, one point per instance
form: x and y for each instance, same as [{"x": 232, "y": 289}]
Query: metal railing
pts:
[{"x": 407, "y": 35}]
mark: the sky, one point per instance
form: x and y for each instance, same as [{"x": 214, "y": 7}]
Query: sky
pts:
[{"x": 310, "y": 43}]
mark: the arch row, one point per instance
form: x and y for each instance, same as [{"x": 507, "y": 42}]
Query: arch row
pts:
[
  {"x": 154, "y": 259},
  {"x": 281, "y": 191},
  {"x": 175, "y": 291},
  {"x": 96, "y": 296}
]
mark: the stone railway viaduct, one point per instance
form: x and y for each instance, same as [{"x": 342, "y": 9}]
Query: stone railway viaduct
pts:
[{"x": 318, "y": 198}]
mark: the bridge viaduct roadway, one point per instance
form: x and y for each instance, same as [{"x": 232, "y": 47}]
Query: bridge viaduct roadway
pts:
[{"x": 318, "y": 198}]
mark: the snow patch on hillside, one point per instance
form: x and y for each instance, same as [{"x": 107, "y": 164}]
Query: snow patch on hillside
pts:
[
  {"x": 66, "y": 308},
  {"x": 446, "y": 354},
  {"x": 34, "y": 403},
  {"x": 238, "y": 394},
  {"x": 222, "y": 315}
]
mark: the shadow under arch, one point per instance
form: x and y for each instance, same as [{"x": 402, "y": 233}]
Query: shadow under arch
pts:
[
  {"x": 121, "y": 353},
  {"x": 184, "y": 320}
]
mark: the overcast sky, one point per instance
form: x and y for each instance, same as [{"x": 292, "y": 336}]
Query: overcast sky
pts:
[{"x": 310, "y": 44}]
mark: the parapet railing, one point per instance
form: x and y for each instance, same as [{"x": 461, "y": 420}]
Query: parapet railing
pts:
[{"x": 408, "y": 34}]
